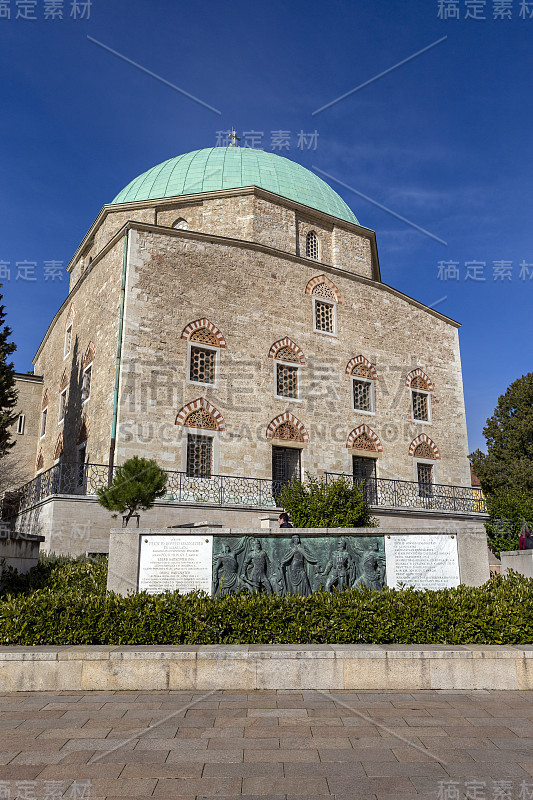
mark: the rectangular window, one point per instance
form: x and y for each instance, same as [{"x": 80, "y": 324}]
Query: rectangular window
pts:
[
  {"x": 420, "y": 406},
  {"x": 363, "y": 395},
  {"x": 20, "y": 424},
  {"x": 286, "y": 381},
  {"x": 199, "y": 456},
  {"x": 202, "y": 365},
  {"x": 425, "y": 479},
  {"x": 364, "y": 471},
  {"x": 62, "y": 405},
  {"x": 68, "y": 340},
  {"x": 86, "y": 384},
  {"x": 44, "y": 415},
  {"x": 286, "y": 466},
  {"x": 324, "y": 317}
]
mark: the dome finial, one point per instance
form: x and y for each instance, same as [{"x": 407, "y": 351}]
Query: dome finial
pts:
[{"x": 233, "y": 138}]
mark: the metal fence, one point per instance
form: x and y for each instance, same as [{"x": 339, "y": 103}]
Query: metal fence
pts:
[
  {"x": 221, "y": 490},
  {"x": 412, "y": 494}
]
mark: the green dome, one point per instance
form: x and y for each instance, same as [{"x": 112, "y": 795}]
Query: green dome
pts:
[{"x": 216, "y": 168}]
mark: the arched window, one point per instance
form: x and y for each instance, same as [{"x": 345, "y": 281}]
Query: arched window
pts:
[
  {"x": 425, "y": 454},
  {"x": 325, "y": 296},
  {"x": 312, "y": 246},
  {"x": 205, "y": 342},
  {"x": 420, "y": 387},
  {"x": 63, "y": 397},
  {"x": 363, "y": 389},
  {"x": 288, "y": 437},
  {"x": 288, "y": 359},
  {"x": 40, "y": 461},
  {"x": 69, "y": 325},
  {"x": 181, "y": 224},
  {"x": 200, "y": 447}
]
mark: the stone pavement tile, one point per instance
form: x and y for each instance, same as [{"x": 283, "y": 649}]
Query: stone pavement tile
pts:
[
  {"x": 137, "y": 787},
  {"x": 407, "y": 731},
  {"x": 364, "y": 788},
  {"x": 408, "y": 754},
  {"x": 263, "y": 732},
  {"x": 77, "y": 756},
  {"x": 333, "y": 742},
  {"x": 157, "y": 732},
  {"x": 20, "y": 772},
  {"x": 36, "y": 757},
  {"x": 23, "y": 715},
  {"x": 346, "y": 769},
  {"x": 10, "y": 724},
  {"x": 173, "y": 744},
  {"x": 362, "y": 732},
  {"x": 374, "y": 754},
  {"x": 128, "y": 757},
  {"x": 204, "y": 756},
  {"x": 53, "y": 745},
  {"x": 177, "y": 787},
  {"x": 147, "y": 770},
  {"x": 329, "y": 755},
  {"x": 256, "y": 744},
  {"x": 75, "y": 733},
  {"x": 487, "y": 769},
  {"x": 244, "y": 770},
  {"x": 96, "y": 744},
  {"x": 293, "y": 786},
  {"x": 291, "y": 713},
  {"x": 460, "y": 743},
  {"x": 500, "y": 756},
  {"x": 58, "y": 772},
  {"x": 272, "y": 756},
  {"x": 499, "y": 722},
  {"x": 7, "y": 756},
  {"x": 527, "y": 766},
  {"x": 388, "y": 769}
]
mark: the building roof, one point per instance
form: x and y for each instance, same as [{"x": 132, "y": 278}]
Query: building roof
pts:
[{"x": 216, "y": 168}]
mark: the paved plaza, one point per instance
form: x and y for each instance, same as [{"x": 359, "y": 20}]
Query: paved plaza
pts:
[{"x": 284, "y": 744}]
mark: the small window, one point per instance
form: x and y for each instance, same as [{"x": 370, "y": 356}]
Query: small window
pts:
[
  {"x": 86, "y": 383},
  {"x": 324, "y": 316},
  {"x": 62, "y": 405},
  {"x": 199, "y": 456},
  {"x": 311, "y": 246},
  {"x": 68, "y": 340},
  {"x": 20, "y": 424},
  {"x": 420, "y": 405},
  {"x": 81, "y": 478},
  {"x": 181, "y": 224},
  {"x": 425, "y": 479},
  {"x": 202, "y": 365},
  {"x": 44, "y": 415},
  {"x": 286, "y": 381},
  {"x": 363, "y": 395}
]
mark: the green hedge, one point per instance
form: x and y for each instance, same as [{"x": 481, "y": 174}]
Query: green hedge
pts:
[{"x": 73, "y": 608}]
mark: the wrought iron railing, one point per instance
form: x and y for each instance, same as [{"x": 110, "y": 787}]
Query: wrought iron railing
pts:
[
  {"x": 223, "y": 490},
  {"x": 71, "y": 479},
  {"x": 412, "y": 494}
]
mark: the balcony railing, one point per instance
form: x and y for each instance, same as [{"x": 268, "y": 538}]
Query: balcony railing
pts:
[
  {"x": 223, "y": 490},
  {"x": 412, "y": 494}
]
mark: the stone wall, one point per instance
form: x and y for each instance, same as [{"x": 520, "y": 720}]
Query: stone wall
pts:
[
  {"x": 19, "y": 463},
  {"x": 255, "y": 299},
  {"x": 93, "y": 308}
]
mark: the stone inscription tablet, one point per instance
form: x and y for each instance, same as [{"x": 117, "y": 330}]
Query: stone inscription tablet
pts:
[
  {"x": 424, "y": 562},
  {"x": 170, "y": 563}
]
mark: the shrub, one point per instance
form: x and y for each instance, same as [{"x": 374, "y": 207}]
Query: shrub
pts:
[
  {"x": 137, "y": 484},
  {"x": 72, "y": 607},
  {"x": 508, "y": 508},
  {"x": 317, "y": 504}
]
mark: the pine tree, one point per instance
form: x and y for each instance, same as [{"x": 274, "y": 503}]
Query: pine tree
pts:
[
  {"x": 508, "y": 463},
  {"x": 8, "y": 393},
  {"x": 137, "y": 484}
]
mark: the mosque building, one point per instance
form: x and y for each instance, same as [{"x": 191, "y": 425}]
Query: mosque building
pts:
[{"x": 226, "y": 316}]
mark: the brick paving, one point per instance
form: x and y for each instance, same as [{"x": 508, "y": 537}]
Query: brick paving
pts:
[{"x": 279, "y": 745}]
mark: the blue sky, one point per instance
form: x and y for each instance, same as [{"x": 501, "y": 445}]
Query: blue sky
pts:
[{"x": 443, "y": 140}]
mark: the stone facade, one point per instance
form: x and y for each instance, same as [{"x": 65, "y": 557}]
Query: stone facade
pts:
[
  {"x": 239, "y": 264},
  {"x": 25, "y": 433}
]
